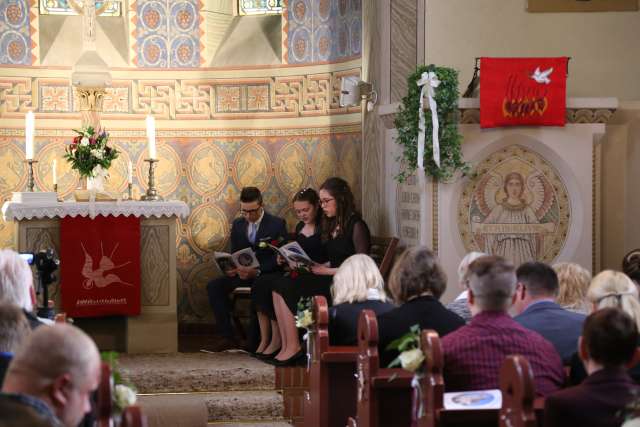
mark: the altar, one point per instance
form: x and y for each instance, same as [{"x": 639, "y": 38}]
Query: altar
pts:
[{"x": 155, "y": 330}]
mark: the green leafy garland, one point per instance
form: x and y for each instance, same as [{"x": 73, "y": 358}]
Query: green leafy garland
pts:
[{"x": 406, "y": 122}]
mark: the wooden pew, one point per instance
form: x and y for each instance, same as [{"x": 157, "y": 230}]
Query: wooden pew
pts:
[
  {"x": 132, "y": 416},
  {"x": 331, "y": 398},
  {"x": 383, "y": 394},
  {"x": 516, "y": 383}
]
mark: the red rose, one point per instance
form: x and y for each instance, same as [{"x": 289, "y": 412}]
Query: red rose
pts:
[
  {"x": 294, "y": 274},
  {"x": 274, "y": 242},
  {"x": 77, "y": 139},
  {"x": 92, "y": 141}
]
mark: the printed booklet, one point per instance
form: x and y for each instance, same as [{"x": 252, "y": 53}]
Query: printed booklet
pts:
[{"x": 242, "y": 258}]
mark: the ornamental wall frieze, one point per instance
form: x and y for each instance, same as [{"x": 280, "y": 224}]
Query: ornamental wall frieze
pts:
[
  {"x": 304, "y": 95},
  {"x": 574, "y": 115}
]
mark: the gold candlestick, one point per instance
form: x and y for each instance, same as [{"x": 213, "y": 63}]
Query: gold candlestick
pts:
[
  {"x": 30, "y": 180},
  {"x": 152, "y": 193},
  {"x": 130, "y": 190}
]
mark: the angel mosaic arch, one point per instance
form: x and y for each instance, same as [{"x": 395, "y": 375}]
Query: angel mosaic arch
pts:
[{"x": 517, "y": 207}]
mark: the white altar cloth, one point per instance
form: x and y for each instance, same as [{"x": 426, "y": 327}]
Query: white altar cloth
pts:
[{"x": 12, "y": 211}]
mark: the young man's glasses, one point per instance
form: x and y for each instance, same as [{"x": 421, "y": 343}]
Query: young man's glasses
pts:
[{"x": 249, "y": 211}]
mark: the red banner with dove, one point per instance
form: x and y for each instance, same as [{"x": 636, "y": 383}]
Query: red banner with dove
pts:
[
  {"x": 523, "y": 91},
  {"x": 100, "y": 266}
]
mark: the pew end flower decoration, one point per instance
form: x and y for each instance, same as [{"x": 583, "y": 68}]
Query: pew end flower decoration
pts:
[
  {"x": 411, "y": 357},
  {"x": 123, "y": 395},
  {"x": 304, "y": 317},
  {"x": 89, "y": 153}
]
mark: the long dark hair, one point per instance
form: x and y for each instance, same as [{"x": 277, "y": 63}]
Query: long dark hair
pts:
[
  {"x": 310, "y": 196},
  {"x": 339, "y": 189}
]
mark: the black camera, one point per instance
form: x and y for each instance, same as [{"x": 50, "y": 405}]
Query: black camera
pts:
[{"x": 46, "y": 264}]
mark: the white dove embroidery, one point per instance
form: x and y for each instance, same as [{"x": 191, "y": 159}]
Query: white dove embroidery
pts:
[
  {"x": 97, "y": 277},
  {"x": 542, "y": 76}
]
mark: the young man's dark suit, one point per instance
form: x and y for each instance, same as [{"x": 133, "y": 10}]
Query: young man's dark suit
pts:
[{"x": 271, "y": 228}]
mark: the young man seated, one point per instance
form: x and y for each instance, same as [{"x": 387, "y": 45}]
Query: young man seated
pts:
[
  {"x": 536, "y": 309},
  {"x": 255, "y": 225},
  {"x": 474, "y": 353},
  {"x": 608, "y": 343}
]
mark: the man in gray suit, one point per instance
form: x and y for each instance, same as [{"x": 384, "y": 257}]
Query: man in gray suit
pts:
[{"x": 535, "y": 308}]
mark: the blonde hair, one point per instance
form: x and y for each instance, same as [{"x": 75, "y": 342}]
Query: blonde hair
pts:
[
  {"x": 573, "y": 284},
  {"x": 614, "y": 289},
  {"x": 16, "y": 280},
  {"x": 463, "y": 268},
  {"x": 355, "y": 277}
]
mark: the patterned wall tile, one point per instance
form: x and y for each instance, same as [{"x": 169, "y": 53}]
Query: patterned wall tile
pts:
[
  {"x": 55, "y": 96},
  {"x": 16, "y": 32},
  {"x": 168, "y": 33},
  {"x": 322, "y": 30}
]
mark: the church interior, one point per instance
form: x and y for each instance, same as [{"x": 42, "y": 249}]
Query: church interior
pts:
[{"x": 283, "y": 95}]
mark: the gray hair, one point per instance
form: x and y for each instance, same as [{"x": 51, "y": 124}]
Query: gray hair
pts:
[
  {"x": 463, "y": 267},
  {"x": 492, "y": 279},
  {"x": 357, "y": 278},
  {"x": 14, "y": 327},
  {"x": 67, "y": 350},
  {"x": 16, "y": 280}
]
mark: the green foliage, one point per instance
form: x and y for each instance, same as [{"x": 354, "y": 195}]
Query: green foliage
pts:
[
  {"x": 408, "y": 341},
  {"x": 111, "y": 358},
  {"x": 88, "y": 150},
  {"x": 407, "y": 119}
]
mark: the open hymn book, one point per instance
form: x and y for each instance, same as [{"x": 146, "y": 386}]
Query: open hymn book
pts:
[
  {"x": 293, "y": 253},
  {"x": 242, "y": 258}
]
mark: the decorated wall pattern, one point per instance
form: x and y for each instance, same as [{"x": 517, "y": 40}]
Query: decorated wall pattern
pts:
[
  {"x": 16, "y": 32},
  {"x": 322, "y": 30},
  {"x": 206, "y": 171},
  {"x": 167, "y": 33},
  {"x": 206, "y": 98}
]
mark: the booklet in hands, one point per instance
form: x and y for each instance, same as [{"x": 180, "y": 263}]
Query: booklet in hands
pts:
[
  {"x": 293, "y": 253},
  {"x": 245, "y": 258}
]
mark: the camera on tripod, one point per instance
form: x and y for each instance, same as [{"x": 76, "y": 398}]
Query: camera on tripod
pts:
[{"x": 46, "y": 264}]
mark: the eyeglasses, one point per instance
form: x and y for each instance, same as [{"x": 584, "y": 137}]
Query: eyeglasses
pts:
[
  {"x": 249, "y": 211},
  {"x": 325, "y": 201}
]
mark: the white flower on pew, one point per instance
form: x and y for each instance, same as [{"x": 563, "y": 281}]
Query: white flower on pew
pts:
[
  {"x": 411, "y": 360},
  {"x": 304, "y": 319},
  {"x": 124, "y": 396}
]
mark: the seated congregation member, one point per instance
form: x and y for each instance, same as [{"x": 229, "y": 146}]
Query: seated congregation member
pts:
[
  {"x": 16, "y": 285},
  {"x": 536, "y": 309},
  {"x": 573, "y": 282},
  {"x": 417, "y": 282},
  {"x": 13, "y": 414},
  {"x": 460, "y": 305},
  {"x": 255, "y": 225},
  {"x": 357, "y": 285},
  {"x": 343, "y": 233},
  {"x": 608, "y": 343},
  {"x": 610, "y": 289},
  {"x": 14, "y": 328},
  {"x": 474, "y": 353},
  {"x": 54, "y": 372},
  {"x": 631, "y": 266},
  {"x": 306, "y": 205}
]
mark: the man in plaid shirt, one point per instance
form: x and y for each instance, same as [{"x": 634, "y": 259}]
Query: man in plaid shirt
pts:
[{"x": 474, "y": 353}]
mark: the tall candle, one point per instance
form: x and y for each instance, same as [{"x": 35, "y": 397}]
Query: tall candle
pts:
[
  {"x": 55, "y": 171},
  {"x": 151, "y": 136},
  {"x": 30, "y": 123},
  {"x": 130, "y": 173}
]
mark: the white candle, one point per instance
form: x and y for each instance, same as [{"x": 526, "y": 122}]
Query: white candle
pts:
[
  {"x": 55, "y": 171},
  {"x": 130, "y": 173},
  {"x": 30, "y": 123},
  {"x": 151, "y": 136}
]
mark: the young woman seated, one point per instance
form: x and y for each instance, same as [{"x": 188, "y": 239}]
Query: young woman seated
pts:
[
  {"x": 357, "y": 285},
  {"x": 306, "y": 205}
]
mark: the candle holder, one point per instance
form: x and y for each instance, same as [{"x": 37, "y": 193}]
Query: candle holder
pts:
[
  {"x": 30, "y": 180},
  {"x": 55, "y": 188},
  {"x": 130, "y": 191},
  {"x": 151, "y": 194}
]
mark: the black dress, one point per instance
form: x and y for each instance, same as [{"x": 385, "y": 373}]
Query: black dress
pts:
[
  {"x": 356, "y": 239},
  {"x": 343, "y": 319},
  {"x": 264, "y": 285}
]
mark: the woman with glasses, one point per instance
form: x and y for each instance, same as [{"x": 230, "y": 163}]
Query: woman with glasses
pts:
[
  {"x": 306, "y": 205},
  {"x": 343, "y": 233}
]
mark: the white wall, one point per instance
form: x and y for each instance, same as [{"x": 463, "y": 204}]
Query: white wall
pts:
[{"x": 605, "y": 47}]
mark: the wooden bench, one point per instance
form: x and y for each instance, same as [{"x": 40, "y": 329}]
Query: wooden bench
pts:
[
  {"x": 383, "y": 252},
  {"x": 132, "y": 416},
  {"x": 516, "y": 383},
  {"x": 331, "y": 398}
]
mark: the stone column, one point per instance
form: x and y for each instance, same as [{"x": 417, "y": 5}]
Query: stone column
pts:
[{"x": 90, "y": 99}]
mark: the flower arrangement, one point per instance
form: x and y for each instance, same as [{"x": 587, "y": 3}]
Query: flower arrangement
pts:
[
  {"x": 123, "y": 395},
  {"x": 411, "y": 357},
  {"x": 304, "y": 317},
  {"x": 89, "y": 153}
]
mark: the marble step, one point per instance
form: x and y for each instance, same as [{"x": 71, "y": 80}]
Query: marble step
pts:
[
  {"x": 196, "y": 409},
  {"x": 195, "y": 372}
]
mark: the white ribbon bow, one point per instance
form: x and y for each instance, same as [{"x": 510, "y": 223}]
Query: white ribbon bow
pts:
[{"x": 428, "y": 81}]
